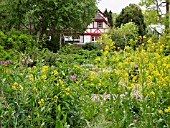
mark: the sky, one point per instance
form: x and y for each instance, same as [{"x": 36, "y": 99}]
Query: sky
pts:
[{"x": 115, "y": 5}]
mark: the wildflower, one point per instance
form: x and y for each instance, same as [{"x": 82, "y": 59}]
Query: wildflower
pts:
[
  {"x": 167, "y": 110},
  {"x": 136, "y": 41},
  {"x": 105, "y": 58},
  {"x": 98, "y": 59},
  {"x": 31, "y": 77},
  {"x": 106, "y": 48},
  {"x": 28, "y": 117},
  {"x": 76, "y": 66},
  {"x": 43, "y": 77},
  {"x": 55, "y": 98},
  {"x": 150, "y": 40},
  {"x": 144, "y": 37},
  {"x": 14, "y": 87},
  {"x": 44, "y": 68},
  {"x": 2, "y": 62},
  {"x": 140, "y": 37},
  {"x": 127, "y": 47},
  {"x": 131, "y": 40},
  {"x": 160, "y": 111},
  {"x": 55, "y": 73},
  {"x": 41, "y": 102},
  {"x": 35, "y": 89},
  {"x": 73, "y": 77},
  {"x": 29, "y": 68},
  {"x": 15, "y": 83},
  {"x": 152, "y": 93},
  {"x": 34, "y": 67},
  {"x": 106, "y": 53},
  {"x": 66, "y": 93},
  {"x": 67, "y": 89},
  {"x": 84, "y": 82}
]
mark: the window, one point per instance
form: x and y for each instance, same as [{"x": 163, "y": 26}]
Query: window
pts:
[
  {"x": 100, "y": 25},
  {"x": 93, "y": 38},
  {"x": 95, "y": 24}
]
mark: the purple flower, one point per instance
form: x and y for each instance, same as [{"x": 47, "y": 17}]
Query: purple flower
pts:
[
  {"x": 5, "y": 62},
  {"x": 2, "y": 62},
  {"x": 8, "y": 62},
  {"x": 73, "y": 77}
]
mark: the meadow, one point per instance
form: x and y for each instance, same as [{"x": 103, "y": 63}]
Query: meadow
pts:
[{"x": 77, "y": 88}]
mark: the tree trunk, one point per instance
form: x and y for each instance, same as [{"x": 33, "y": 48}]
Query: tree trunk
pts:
[{"x": 167, "y": 14}]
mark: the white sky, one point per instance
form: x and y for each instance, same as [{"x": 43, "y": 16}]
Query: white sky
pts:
[{"x": 115, "y": 5}]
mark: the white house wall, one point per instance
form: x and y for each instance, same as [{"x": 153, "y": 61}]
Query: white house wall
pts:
[
  {"x": 90, "y": 26},
  {"x": 81, "y": 39},
  {"x": 87, "y": 38}
]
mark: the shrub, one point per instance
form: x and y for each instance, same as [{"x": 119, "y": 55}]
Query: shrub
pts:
[{"x": 90, "y": 46}]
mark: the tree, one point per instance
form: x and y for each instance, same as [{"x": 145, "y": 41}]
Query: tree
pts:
[
  {"x": 154, "y": 13},
  {"x": 132, "y": 13},
  {"x": 40, "y": 17},
  {"x": 122, "y": 36},
  {"x": 109, "y": 15}
]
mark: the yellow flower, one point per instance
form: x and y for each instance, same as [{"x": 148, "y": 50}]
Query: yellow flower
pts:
[
  {"x": 167, "y": 110},
  {"x": 131, "y": 40},
  {"x": 35, "y": 89},
  {"x": 84, "y": 82},
  {"x": 67, "y": 89},
  {"x": 150, "y": 40},
  {"x": 160, "y": 111},
  {"x": 31, "y": 77},
  {"x": 140, "y": 37},
  {"x": 76, "y": 66},
  {"x": 55, "y": 98},
  {"x": 152, "y": 93},
  {"x": 98, "y": 59},
  {"x": 14, "y": 87},
  {"x": 66, "y": 93},
  {"x": 34, "y": 67},
  {"x": 15, "y": 83},
  {"x": 55, "y": 73},
  {"x": 60, "y": 81},
  {"x": 41, "y": 102},
  {"x": 29, "y": 68},
  {"x": 29, "y": 117},
  {"x": 43, "y": 77},
  {"x": 44, "y": 68},
  {"x": 106, "y": 48},
  {"x": 144, "y": 37},
  {"x": 106, "y": 53}
]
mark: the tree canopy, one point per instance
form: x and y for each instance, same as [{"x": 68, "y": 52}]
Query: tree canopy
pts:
[
  {"x": 132, "y": 13},
  {"x": 38, "y": 16},
  {"x": 156, "y": 12},
  {"x": 109, "y": 15}
]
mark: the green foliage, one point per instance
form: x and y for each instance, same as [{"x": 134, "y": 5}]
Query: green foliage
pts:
[
  {"x": 154, "y": 12},
  {"x": 122, "y": 36},
  {"x": 109, "y": 15},
  {"x": 16, "y": 40},
  {"x": 80, "y": 89},
  {"x": 90, "y": 46},
  {"x": 132, "y": 13}
]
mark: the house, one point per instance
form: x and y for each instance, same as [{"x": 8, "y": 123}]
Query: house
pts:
[
  {"x": 94, "y": 30},
  {"x": 156, "y": 29}
]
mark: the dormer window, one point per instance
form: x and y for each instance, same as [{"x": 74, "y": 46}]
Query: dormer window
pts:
[{"x": 100, "y": 25}]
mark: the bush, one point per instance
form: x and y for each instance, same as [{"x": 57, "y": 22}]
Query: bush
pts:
[
  {"x": 90, "y": 46},
  {"x": 122, "y": 36}
]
